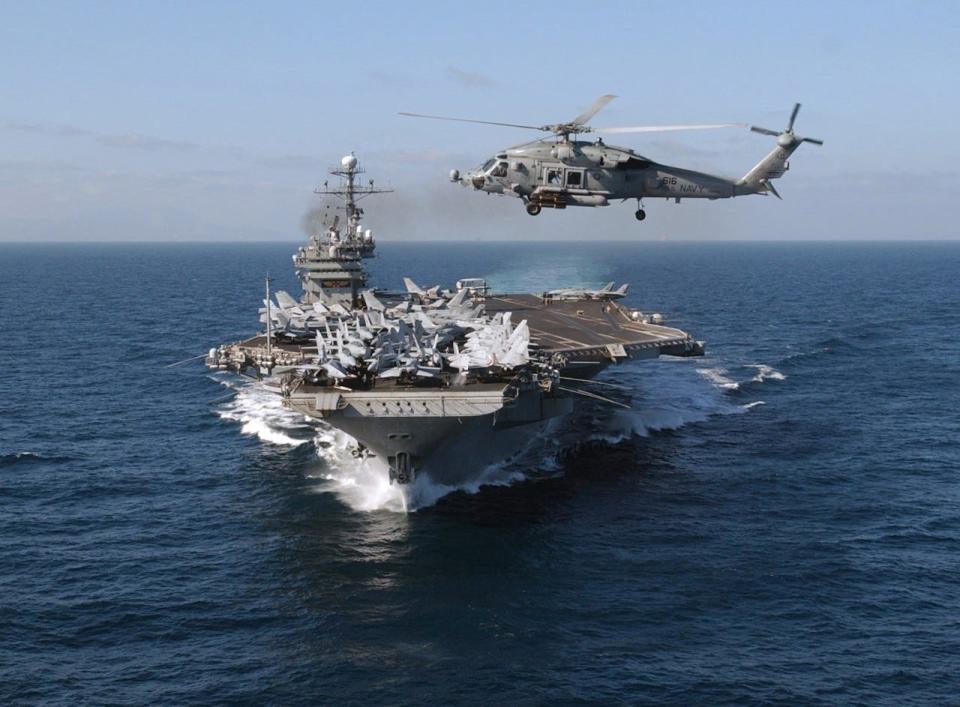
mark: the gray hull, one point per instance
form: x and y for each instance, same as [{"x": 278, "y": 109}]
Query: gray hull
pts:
[
  {"x": 450, "y": 436},
  {"x": 460, "y": 452}
]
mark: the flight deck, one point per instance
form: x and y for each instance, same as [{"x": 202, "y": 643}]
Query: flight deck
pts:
[
  {"x": 584, "y": 328},
  {"x": 590, "y": 329}
]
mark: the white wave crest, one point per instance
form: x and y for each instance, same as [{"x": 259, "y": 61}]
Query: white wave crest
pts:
[
  {"x": 670, "y": 395},
  {"x": 765, "y": 372},
  {"x": 718, "y": 376},
  {"x": 261, "y": 413}
]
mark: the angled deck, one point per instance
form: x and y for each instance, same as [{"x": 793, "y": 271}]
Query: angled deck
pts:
[{"x": 587, "y": 325}]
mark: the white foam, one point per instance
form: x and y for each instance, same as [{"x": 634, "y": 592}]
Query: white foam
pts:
[
  {"x": 765, "y": 372},
  {"x": 363, "y": 484},
  {"x": 262, "y": 414},
  {"x": 718, "y": 376},
  {"x": 668, "y": 397},
  {"x": 424, "y": 492}
]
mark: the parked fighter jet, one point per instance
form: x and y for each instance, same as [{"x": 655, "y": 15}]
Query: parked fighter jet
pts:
[{"x": 606, "y": 292}]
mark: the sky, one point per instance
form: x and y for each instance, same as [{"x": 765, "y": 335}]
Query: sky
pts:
[{"x": 214, "y": 121}]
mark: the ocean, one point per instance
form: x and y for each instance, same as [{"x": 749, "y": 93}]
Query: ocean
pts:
[{"x": 775, "y": 523}]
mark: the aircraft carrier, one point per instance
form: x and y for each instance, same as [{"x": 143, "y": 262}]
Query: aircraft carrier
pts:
[{"x": 436, "y": 382}]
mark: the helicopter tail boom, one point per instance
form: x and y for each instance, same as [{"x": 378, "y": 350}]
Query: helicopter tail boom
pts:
[{"x": 772, "y": 166}]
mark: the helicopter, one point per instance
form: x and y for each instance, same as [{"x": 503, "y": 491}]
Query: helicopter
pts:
[{"x": 563, "y": 171}]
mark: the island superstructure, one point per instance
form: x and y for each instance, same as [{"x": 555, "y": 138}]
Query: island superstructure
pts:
[
  {"x": 441, "y": 382},
  {"x": 332, "y": 258}
]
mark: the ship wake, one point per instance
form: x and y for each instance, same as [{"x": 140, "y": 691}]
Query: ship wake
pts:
[
  {"x": 261, "y": 414},
  {"x": 671, "y": 393}
]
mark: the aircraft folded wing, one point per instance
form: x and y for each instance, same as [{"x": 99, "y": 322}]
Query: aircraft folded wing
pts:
[{"x": 285, "y": 300}]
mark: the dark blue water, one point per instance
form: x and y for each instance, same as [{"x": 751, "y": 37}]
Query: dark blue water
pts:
[{"x": 776, "y": 523}]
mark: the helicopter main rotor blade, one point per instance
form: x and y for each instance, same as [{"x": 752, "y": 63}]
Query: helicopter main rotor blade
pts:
[
  {"x": 764, "y": 131},
  {"x": 666, "y": 128},
  {"x": 468, "y": 120},
  {"x": 597, "y": 106}
]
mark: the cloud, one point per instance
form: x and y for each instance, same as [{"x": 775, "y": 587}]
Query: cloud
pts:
[
  {"x": 146, "y": 142},
  {"x": 122, "y": 140},
  {"x": 51, "y": 129},
  {"x": 469, "y": 79},
  {"x": 152, "y": 143}
]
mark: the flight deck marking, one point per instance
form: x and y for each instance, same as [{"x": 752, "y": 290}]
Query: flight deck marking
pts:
[{"x": 557, "y": 328}]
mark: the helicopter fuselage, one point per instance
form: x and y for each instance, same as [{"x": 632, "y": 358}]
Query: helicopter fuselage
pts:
[
  {"x": 581, "y": 173},
  {"x": 566, "y": 172}
]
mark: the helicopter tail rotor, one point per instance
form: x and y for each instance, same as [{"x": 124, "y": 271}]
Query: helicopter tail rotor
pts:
[
  {"x": 786, "y": 137},
  {"x": 793, "y": 116}
]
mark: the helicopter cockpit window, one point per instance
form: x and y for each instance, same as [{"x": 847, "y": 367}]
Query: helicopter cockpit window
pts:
[
  {"x": 574, "y": 179},
  {"x": 500, "y": 170},
  {"x": 553, "y": 176},
  {"x": 488, "y": 164}
]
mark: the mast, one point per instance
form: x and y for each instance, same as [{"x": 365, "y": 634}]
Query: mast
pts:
[
  {"x": 350, "y": 191},
  {"x": 269, "y": 319}
]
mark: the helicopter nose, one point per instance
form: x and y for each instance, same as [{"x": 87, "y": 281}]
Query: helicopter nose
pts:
[{"x": 478, "y": 181}]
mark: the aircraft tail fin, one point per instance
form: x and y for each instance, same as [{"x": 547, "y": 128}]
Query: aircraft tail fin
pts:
[
  {"x": 622, "y": 290},
  {"x": 412, "y": 287},
  {"x": 371, "y": 301}
]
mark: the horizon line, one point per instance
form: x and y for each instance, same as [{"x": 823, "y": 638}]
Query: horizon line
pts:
[{"x": 494, "y": 241}]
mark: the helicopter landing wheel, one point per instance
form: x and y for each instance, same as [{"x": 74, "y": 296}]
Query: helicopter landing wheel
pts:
[
  {"x": 641, "y": 214},
  {"x": 533, "y": 209}
]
